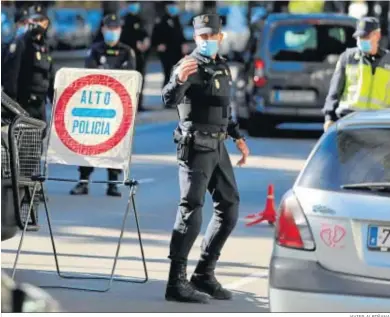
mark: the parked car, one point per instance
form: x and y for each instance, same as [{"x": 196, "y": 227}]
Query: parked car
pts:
[
  {"x": 69, "y": 28},
  {"x": 289, "y": 74},
  {"x": 332, "y": 240}
]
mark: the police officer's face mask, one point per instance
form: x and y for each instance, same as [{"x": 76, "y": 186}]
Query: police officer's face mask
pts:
[
  {"x": 111, "y": 36},
  {"x": 134, "y": 8},
  {"x": 364, "y": 45},
  {"x": 208, "y": 47},
  {"x": 173, "y": 9}
]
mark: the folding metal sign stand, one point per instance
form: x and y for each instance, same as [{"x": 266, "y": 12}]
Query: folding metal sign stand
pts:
[
  {"x": 39, "y": 184},
  {"x": 132, "y": 184}
]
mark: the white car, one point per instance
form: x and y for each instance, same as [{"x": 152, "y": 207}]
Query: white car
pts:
[{"x": 332, "y": 242}]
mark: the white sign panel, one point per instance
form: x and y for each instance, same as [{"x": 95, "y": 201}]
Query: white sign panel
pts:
[{"x": 93, "y": 117}]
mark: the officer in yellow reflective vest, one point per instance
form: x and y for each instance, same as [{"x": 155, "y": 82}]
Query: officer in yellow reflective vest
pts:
[
  {"x": 302, "y": 7},
  {"x": 361, "y": 80}
]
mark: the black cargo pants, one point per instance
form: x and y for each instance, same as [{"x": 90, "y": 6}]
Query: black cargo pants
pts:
[
  {"x": 204, "y": 171},
  {"x": 86, "y": 171}
]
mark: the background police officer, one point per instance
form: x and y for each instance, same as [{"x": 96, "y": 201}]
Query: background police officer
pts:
[
  {"x": 168, "y": 38},
  {"x": 362, "y": 75},
  {"x": 134, "y": 34},
  {"x": 108, "y": 54},
  {"x": 21, "y": 26},
  {"x": 200, "y": 87},
  {"x": 27, "y": 73}
]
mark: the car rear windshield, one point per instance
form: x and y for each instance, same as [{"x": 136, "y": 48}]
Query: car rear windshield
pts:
[
  {"x": 351, "y": 156},
  {"x": 309, "y": 42}
]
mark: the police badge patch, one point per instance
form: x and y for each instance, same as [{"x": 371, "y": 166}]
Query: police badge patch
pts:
[
  {"x": 136, "y": 26},
  {"x": 217, "y": 85},
  {"x": 103, "y": 60},
  {"x": 12, "y": 48}
]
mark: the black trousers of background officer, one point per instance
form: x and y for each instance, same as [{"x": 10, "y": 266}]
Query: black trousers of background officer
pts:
[
  {"x": 86, "y": 171},
  {"x": 36, "y": 107},
  {"x": 168, "y": 60},
  {"x": 205, "y": 171}
]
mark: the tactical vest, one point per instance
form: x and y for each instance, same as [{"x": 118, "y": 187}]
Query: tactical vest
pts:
[
  {"x": 365, "y": 90},
  {"x": 207, "y": 102},
  {"x": 301, "y": 7},
  {"x": 41, "y": 70}
]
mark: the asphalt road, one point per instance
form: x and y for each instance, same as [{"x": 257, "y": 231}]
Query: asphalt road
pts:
[{"x": 87, "y": 228}]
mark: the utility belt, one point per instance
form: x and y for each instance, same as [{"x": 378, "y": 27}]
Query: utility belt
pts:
[{"x": 197, "y": 141}]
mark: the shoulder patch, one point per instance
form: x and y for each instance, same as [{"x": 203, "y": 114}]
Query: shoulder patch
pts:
[{"x": 12, "y": 48}]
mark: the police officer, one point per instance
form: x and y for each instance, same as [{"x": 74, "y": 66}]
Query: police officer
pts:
[
  {"x": 21, "y": 24},
  {"x": 108, "y": 54},
  {"x": 134, "y": 34},
  {"x": 28, "y": 73},
  {"x": 200, "y": 88},
  {"x": 168, "y": 38},
  {"x": 362, "y": 75}
]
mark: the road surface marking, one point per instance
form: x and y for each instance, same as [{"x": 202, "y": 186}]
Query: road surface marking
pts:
[{"x": 246, "y": 280}]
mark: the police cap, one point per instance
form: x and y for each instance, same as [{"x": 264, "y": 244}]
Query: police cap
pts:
[
  {"x": 207, "y": 24},
  {"x": 37, "y": 11},
  {"x": 112, "y": 21},
  {"x": 365, "y": 26}
]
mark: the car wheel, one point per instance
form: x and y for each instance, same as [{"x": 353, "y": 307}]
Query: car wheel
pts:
[{"x": 260, "y": 126}]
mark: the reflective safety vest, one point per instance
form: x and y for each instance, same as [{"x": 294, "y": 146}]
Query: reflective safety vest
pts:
[
  {"x": 301, "y": 7},
  {"x": 364, "y": 90}
]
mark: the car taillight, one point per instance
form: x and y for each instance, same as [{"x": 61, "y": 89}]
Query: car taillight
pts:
[
  {"x": 259, "y": 75},
  {"x": 292, "y": 229}
]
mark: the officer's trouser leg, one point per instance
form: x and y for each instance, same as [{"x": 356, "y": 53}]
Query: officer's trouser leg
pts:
[
  {"x": 112, "y": 189},
  {"x": 141, "y": 69},
  {"x": 167, "y": 63},
  {"x": 223, "y": 189},
  {"x": 194, "y": 178},
  {"x": 85, "y": 172}
]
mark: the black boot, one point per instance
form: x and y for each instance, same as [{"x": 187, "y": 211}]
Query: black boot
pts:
[
  {"x": 80, "y": 189},
  {"x": 113, "y": 191},
  {"x": 205, "y": 281},
  {"x": 179, "y": 289}
]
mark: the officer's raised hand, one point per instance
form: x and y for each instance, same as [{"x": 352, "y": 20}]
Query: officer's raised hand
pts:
[
  {"x": 243, "y": 148},
  {"x": 188, "y": 67}
]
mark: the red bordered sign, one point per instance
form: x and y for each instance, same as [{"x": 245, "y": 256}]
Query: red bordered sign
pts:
[{"x": 61, "y": 109}]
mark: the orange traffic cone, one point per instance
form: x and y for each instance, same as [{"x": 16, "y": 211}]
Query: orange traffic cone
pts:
[{"x": 269, "y": 213}]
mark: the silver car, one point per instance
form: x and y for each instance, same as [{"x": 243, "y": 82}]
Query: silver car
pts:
[{"x": 332, "y": 242}]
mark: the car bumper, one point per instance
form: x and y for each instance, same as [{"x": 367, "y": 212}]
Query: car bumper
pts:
[
  {"x": 294, "y": 301},
  {"x": 290, "y": 111},
  {"x": 303, "y": 285}
]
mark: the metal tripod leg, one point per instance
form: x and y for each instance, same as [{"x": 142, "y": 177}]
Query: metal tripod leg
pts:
[
  {"x": 24, "y": 230},
  {"x": 110, "y": 279}
]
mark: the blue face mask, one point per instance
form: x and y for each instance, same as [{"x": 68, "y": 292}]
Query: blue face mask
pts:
[
  {"x": 364, "y": 45},
  {"x": 208, "y": 47},
  {"x": 21, "y": 30},
  {"x": 173, "y": 9},
  {"x": 134, "y": 8},
  {"x": 111, "y": 36}
]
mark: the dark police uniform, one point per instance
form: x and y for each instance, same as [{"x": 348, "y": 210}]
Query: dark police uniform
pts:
[
  {"x": 203, "y": 103},
  {"x": 21, "y": 16},
  {"x": 333, "y": 109},
  {"x": 133, "y": 31},
  {"x": 28, "y": 73},
  {"x": 168, "y": 31},
  {"x": 103, "y": 56}
]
